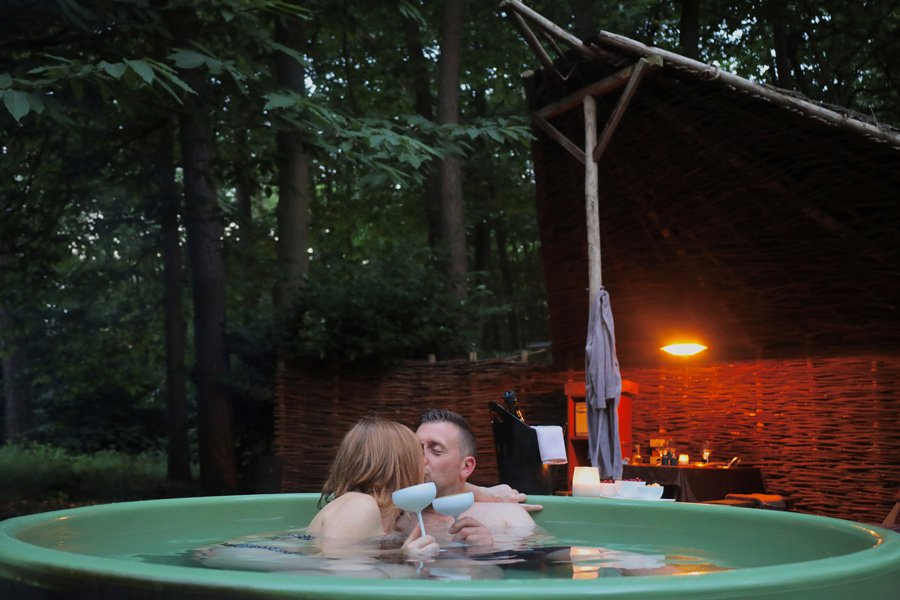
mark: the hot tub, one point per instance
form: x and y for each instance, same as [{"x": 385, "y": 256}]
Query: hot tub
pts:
[{"x": 119, "y": 550}]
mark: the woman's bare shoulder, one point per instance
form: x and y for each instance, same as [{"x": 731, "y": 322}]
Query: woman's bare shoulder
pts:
[{"x": 350, "y": 515}]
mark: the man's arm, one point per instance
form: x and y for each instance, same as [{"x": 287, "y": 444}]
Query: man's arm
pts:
[{"x": 501, "y": 493}]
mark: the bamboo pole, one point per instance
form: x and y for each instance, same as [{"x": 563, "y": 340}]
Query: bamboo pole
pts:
[{"x": 591, "y": 200}]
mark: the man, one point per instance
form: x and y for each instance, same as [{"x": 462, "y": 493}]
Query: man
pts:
[{"x": 450, "y": 448}]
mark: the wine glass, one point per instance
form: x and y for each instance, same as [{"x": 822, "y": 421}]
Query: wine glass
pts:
[
  {"x": 453, "y": 505},
  {"x": 415, "y": 498}
]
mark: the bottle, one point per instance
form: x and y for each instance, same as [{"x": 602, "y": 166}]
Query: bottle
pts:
[
  {"x": 636, "y": 458},
  {"x": 512, "y": 404}
]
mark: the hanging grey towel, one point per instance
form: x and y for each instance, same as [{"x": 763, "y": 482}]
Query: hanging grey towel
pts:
[{"x": 603, "y": 386}]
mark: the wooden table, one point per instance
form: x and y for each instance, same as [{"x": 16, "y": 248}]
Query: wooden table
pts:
[{"x": 699, "y": 484}]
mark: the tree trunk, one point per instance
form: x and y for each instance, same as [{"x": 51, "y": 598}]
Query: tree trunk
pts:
[
  {"x": 178, "y": 448},
  {"x": 585, "y": 16},
  {"x": 294, "y": 190},
  {"x": 422, "y": 99},
  {"x": 453, "y": 231},
  {"x": 506, "y": 275},
  {"x": 16, "y": 381},
  {"x": 244, "y": 190},
  {"x": 689, "y": 29},
  {"x": 775, "y": 15},
  {"x": 218, "y": 472}
]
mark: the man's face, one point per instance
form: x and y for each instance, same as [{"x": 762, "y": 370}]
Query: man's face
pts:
[{"x": 444, "y": 463}]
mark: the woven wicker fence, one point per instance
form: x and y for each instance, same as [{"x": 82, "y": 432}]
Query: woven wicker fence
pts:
[
  {"x": 825, "y": 431},
  {"x": 316, "y": 407}
]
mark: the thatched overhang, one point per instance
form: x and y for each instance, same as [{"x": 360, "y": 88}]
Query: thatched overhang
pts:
[{"x": 754, "y": 219}]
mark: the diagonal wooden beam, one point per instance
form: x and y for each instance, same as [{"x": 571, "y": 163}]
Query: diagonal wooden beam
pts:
[
  {"x": 598, "y": 88},
  {"x": 559, "y": 137},
  {"x": 644, "y": 65},
  {"x": 534, "y": 43},
  {"x": 517, "y": 7}
]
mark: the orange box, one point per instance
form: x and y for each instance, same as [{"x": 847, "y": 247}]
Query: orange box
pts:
[{"x": 581, "y": 425}]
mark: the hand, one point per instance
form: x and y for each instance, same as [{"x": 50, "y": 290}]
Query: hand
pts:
[
  {"x": 419, "y": 545},
  {"x": 471, "y": 532},
  {"x": 502, "y": 493},
  {"x": 497, "y": 493}
]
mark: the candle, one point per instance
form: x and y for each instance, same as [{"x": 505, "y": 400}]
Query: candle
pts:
[
  {"x": 586, "y": 482},
  {"x": 683, "y": 459}
]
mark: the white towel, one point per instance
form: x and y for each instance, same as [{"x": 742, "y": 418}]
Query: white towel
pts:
[{"x": 551, "y": 444}]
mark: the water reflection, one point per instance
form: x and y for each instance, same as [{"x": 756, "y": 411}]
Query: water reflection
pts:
[{"x": 537, "y": 556}]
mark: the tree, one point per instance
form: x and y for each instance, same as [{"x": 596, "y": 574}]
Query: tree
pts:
[
  {"x": 294, "y": 183},
  {"x": 453, "y": 231},
  {"x": 168, "y": 202},
  {"x": 689, "y": 29}
]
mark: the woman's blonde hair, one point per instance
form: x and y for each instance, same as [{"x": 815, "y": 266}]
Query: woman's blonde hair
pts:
[{"x": 376, "y": 457}]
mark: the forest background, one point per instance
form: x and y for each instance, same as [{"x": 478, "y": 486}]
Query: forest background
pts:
[{"x": 192, "y": 191}]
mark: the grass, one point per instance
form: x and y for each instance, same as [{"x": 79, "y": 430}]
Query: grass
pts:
[{"x": 35, "y": 478}]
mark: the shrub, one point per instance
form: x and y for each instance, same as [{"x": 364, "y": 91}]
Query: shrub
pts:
[{"x": 43, "y": 473}]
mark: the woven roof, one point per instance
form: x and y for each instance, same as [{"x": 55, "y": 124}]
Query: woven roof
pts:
[{"x": 740, "y": 215}]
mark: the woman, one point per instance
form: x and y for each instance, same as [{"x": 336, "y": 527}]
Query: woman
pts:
[
  {"x": 375, "y": 458},
  {"x": 346, "y": 537}
]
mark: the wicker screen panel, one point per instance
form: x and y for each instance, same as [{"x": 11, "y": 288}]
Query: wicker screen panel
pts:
[
  {"x": 316, "y": 407},
  {"x": 825, "y": 431}
]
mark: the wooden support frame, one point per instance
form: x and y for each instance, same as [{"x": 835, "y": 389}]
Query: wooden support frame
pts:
[
  {"x": 559, "y": 137},
  {"x": 592, "y": 200},
  {"x": 515, "y": 7},
  {"x": 629, "y": 77},
  {"x": 644, "y": 65},
  {"x": 534, "y": 43}
]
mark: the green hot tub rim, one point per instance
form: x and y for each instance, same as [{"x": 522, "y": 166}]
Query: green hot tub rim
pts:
[{"x": 863, "y": 558}]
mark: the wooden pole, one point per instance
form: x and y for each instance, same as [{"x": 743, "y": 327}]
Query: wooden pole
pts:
[
  {"x": 591, "y": 200},
  {"x": 559, "y": 137},
  {"x": 533, "y": 43},
  {"x": 549, "y": 26},
  {"x": 711, "y": 72},
  {"x": 598, "y": 88},
  {"x": 640, "y": 68}
]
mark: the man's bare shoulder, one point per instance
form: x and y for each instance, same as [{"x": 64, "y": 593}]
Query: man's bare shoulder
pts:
[{"x": 495, "y": 515}]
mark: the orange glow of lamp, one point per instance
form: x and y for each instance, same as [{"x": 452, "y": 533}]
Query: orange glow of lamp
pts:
[{"x": 683, "y": 349}]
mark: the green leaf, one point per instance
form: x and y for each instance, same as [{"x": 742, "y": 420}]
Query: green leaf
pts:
[
  {"x": 5, "y": 80},
  {"x": 143, "y": 70},
  {"x": 114, "y": 70},
  {"x": 290, "y": 52},
  {"x": 187, "y": 59},
  {"x": 279, "y": 101},
  {"x": 17, "y": 103}
]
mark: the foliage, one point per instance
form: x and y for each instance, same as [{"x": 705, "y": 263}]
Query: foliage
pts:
[
  {"x": 45, "y": 473},
  {"x": 88, "y": 87},
  {"x": 391, "y": 307}
]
